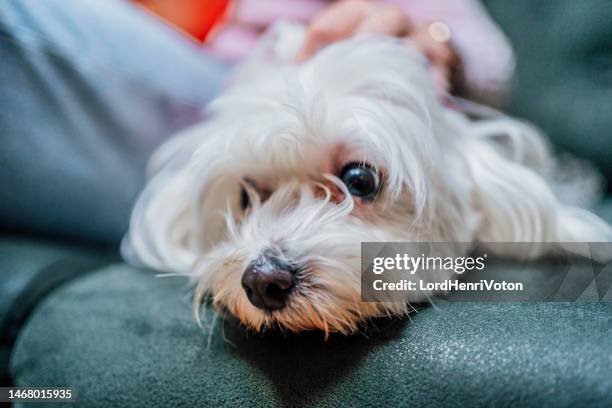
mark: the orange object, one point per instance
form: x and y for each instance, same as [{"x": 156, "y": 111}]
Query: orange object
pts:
[{"x": 195, "y": 17}]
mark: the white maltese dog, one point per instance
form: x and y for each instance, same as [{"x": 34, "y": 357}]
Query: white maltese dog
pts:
[{"x": 268, "y": 200}]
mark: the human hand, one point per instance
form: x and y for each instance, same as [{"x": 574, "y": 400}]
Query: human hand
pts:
[{"x": 346, "y": 18}]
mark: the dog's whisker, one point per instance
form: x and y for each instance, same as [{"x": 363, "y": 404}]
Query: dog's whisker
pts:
[
  {"x": 211, "y": 330},
  {"x": 430, "y": 299},
  {"x": 225, "y": 338},
  {"x": 412, "y": 307},
  {"x": 407, "y": 314},
  {"x": 174, "y": 274}
]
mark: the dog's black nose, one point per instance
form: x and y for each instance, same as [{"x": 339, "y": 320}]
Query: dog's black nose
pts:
[{"x": 268, "y": 281}]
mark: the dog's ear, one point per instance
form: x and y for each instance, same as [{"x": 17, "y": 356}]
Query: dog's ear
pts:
[
  {"x": 179, "y": 213},
  {"x": 511, "y": 167}
]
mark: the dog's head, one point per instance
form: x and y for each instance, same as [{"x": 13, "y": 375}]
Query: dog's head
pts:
[{"x": 268, "y": 201}]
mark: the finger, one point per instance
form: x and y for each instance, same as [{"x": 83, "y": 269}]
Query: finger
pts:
[
  {"x": 436, "y": 52},
  {"x": 335, "y": 23},
  {"x": 441, "y": 78},
  {"x": 386, "y": 20},
  {"x": 443, "y": 60}
]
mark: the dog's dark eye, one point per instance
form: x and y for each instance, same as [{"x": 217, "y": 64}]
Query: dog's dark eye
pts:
[
  {"x": 360, "y": 180},
  {"x": 244, "y": 199}
]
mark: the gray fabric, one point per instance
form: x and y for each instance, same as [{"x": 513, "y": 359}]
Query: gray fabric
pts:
[
  {"x": 21, "y": 259},
  {"x": 31, "y": 268},
  {"x": 87, "y": 90},
  {"x": 563, "y": 78},
  {"x": 121, "y": 337}
]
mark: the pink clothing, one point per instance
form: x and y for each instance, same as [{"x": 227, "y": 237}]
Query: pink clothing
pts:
[{"x": 486, "y": 53}]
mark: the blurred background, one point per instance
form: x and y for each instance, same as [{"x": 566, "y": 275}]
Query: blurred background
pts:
[
  {"x": 90, "y": 88},
  {"x": 563, "y": 76}
]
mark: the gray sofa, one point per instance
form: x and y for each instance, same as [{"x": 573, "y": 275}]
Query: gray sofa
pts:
[
  {"x": 120, "y": 337},
  {"x": 76, "y": 315}
]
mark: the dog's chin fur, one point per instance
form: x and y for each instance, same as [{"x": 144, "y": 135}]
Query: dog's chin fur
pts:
[{"x": 288, "y": 129}]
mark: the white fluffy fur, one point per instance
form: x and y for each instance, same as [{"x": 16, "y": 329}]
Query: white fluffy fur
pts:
[{"x": 447, "y": 178}]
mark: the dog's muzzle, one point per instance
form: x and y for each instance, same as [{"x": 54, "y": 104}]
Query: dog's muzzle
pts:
[{"x": 268, "y": 281}]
